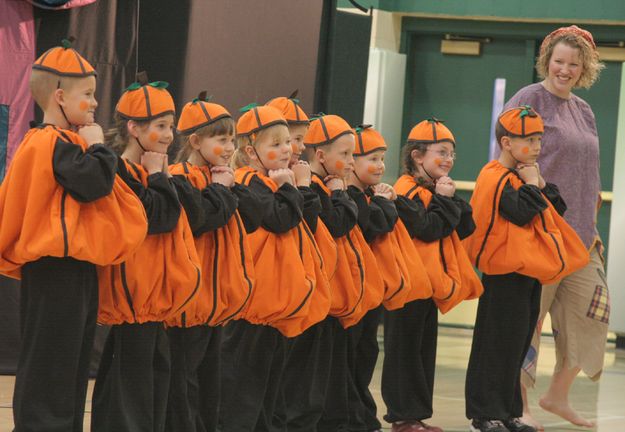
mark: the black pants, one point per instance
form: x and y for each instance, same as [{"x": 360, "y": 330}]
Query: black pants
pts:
[
  {"x": 505, "y": 323},
  {"x": 362, "y": 356},
  {"x": 335, "y": 415},
  {"x": 190, "y": 348},
  {"x": 410, "y": 336},
  {"x": 253, "y": 358},
  {"x": 305, "y": 379},
  {"x": 58, "y": 311},
  {"x": 132, "y": 385}
]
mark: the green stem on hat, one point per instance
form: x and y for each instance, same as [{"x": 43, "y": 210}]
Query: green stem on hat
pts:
[
  {"x": 67, "y": 43},
  {"x": 248, "y": 107}
]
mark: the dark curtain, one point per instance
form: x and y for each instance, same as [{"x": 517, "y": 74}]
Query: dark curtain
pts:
[{"x": 343, "y": 62}]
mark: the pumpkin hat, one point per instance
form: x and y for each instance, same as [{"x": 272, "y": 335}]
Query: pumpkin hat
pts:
[
  {"x": 255, "y": 118},
  {"x": 368, "y": 140},
  {"x": 64, "y": 61},
  {"x": 430, "y": 131},
  {"x": 144, "y": 100},
  {"x": 200, "y": 113},
  {"x": 290, "y": 109},
  {"x": 521, "y": 121},
  {"x": 325, "y": 129}
]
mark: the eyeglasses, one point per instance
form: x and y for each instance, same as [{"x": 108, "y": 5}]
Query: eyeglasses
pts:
[{"x": 443, "y": 154}]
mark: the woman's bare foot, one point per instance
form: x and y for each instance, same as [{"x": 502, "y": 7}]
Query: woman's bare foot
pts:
[
  {"x": 564, "y": 410},
  {"x": 530, "y": 420}
]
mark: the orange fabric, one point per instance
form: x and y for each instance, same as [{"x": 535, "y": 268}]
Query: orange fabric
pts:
[
  {"x": 405, "y": 277},
  {"x": 325, "y": 129},
  {"x": 158, "y": 282},
  {"x": 258, "y": 118},
  {"x": 64, "y": 62},
  {"x": 368, "y": 140},
  {"x": 290, "y": 110},
  {"x": 357, "y": 285},
  {"x": 39, "y": 218},
  {"x": 199, "y": 113},
  {"x": 145, "y": 103},
  {"x": 226, "y": 265},
  {"x": 289, "y": 293},
  {"x": 548, "y": 249},
  {"x": 431, "y": 131},
  {"x": 521, "y": 121},
  {"x": 449, "y": 268}
]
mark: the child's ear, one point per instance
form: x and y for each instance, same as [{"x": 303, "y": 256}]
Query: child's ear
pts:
[
  {"x": 249, "y": 151},
  {"x": 320, "y": 155},
  {"x": 59, "y": 96},
  {"x": 132, "y": 128},
  {"x": 505, "y": 142},
  {"x": 194, "y": 141},
  {"x": 416, "y": 156}
]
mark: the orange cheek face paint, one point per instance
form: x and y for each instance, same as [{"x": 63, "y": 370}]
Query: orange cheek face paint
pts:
[
  {"x": 218, "y": 150},
  {"x": 371, "y": 169},
  {"x": 84, "y": 105},
  {"x": 294, "y": 148},
  {"x": 438, "y": 161},
  {"x": 153, "y": 136},
  {"x": 272, "y": 155},
  {"x": 339, "y": 165},
  {"x": 525, "y": 150}
]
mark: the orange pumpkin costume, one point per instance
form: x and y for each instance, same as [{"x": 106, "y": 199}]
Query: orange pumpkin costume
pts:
[
  {"x": 546, "y": 249},
  {"x": 355, "y": 290},
  {"x": 520, "y": 242},
  {"x": 132, "y": 291},
  {"x": 63, "y": 210},
  {"x": 290, "y": 109},
  {"x": 288, "y": 264},
  {"x": 405, "y": 277}
]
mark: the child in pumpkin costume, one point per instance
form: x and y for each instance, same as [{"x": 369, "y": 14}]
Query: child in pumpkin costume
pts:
[
  {"x": 157, "y": 283},
  {"x": 398, "y": 261},
  {"x": 63, "y": 210},
  {"x": 356, "y": 283},
  {"x": 436, "y": 219},
  {"x": 305, "y": 376},
  {"x": 283, "y": 303},
  {"x": 204, "y": 180},
  {"x": 521, "y": 242}
]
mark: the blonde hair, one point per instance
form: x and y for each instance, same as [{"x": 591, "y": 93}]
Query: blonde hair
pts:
[
  {"x": 43, "y": 84},
  {"x": 223, "y": 126},
  {"x": 591, "y": 66},
  {"x": 239, "y": 157}
]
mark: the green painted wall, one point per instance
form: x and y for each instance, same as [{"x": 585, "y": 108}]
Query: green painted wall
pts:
[{"x": 613, "y": 10}]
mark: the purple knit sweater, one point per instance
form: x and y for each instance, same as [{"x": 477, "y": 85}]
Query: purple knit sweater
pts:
[{"x": 570, "y": 154}]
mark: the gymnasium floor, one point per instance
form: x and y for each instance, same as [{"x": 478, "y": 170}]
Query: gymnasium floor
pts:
[{"x": 603, "y": 401}]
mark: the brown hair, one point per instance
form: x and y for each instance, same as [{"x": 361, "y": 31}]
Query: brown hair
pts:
[
  {"x": 117, "y": 137},
  {"x": 408, "y": 164},
  {"x": 591, "y": 66},
  {"x": 223, "y": 126}
]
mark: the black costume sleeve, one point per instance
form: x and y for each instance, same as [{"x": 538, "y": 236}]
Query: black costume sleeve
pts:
[
  {"x": 522, "y": 205},
  {"x": 85, "y": 175},
  {"x": 433, "y": 223},
  {"x": 312, "y": 207},
  {"x": 250, "y": 207},
  {"x": 282, "y": 209},
  {"x": 338, "y": 211},
  {"x": 159, "y": 199},
  {"x": 552, "y": 193},
  {"x": 375, "y": 217},
  {"x": 208, "y": 209},
  {"x": 466, "y": 226}
]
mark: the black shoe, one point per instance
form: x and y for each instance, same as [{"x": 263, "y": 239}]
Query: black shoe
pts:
[
  {"x": 516, "y": 425},
  {"x": 488, "y": 426}
]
